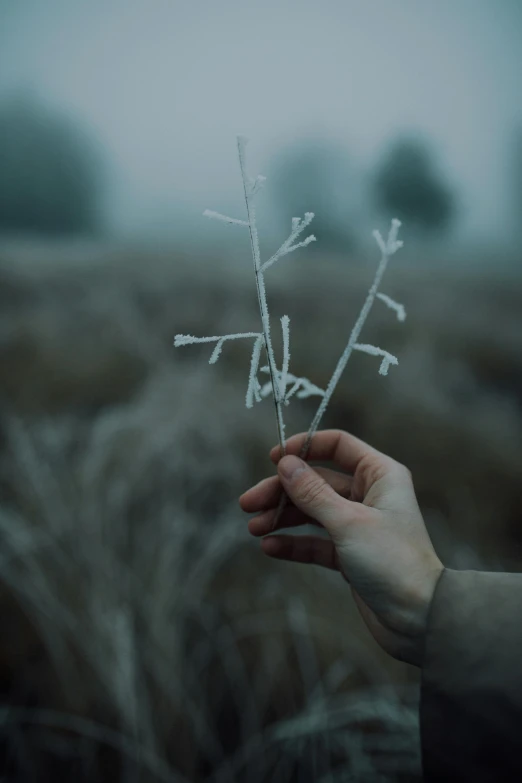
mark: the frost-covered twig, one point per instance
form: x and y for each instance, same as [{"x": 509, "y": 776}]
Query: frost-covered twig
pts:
[
  {"x": 218, "y": 216},
  {"x": 399, "y": 309},
  {"x": 388, "y": 358},
  {"x": 188, "y": 339},
  {"x": 249, "y": 188},
  {"x": 285, "y": 326},
  {"x": 280, "y": 380},
  {"x": 253, "y": 383},
  {"x": 301, "y": 387},
  {"x": 387, "y": 250},
  {"x": 298, "y": 227}
]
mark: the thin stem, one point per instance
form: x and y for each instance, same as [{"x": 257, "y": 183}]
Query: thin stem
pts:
[
  {"x": 285, "y": 326},
  {"x": 341, "y": 364},
  {"x": 261, "y": 294}
]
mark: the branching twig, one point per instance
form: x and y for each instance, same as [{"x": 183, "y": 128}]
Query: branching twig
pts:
[
  {"x": 249, "y": 191},
  {"x": 387, "y": 250},
  {"x": 278, "y": 380},
  {"x": 281, "y": 379},
  {"x": 298, "y": 227}
]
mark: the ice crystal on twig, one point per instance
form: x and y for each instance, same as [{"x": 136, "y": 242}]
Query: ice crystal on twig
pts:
[
  {"x": 301, "y": 387},
  {"x": 188, "y": 339},
  {"x": 285, "y": 326},
  {"x": 388, "y": 358},
  {"x": 218, "y": 216},
  {"x": 298, "y": 227},
  {"x": 399, "y": 309},
  {"x": 253, "y": 383}
]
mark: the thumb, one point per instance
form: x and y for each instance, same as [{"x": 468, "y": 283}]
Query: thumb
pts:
[{"x": 310, "y": 492}]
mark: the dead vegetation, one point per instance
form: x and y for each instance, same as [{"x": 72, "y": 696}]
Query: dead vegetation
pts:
[{"x": 145, "y": 637}]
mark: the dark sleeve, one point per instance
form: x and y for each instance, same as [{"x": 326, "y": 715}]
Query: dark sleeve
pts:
[{"x": 471, "y": 681}]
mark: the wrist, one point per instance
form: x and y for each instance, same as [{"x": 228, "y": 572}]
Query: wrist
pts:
[{"x": 424, "y": 601}]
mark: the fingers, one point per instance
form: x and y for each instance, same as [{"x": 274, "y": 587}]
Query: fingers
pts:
[
  {"x": 266, "y": 494},
  {"x": 331, "y": 445},
  {"x": 310, "y": 493},
  {"x": 262, "y": 496},
  {"x": 302, "y": 549},
  {"x": 290, "y": 517},
  {"x": 265, "y": 497}
]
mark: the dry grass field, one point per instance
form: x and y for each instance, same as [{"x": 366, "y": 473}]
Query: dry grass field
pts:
[{"x": 144, "y": 635}]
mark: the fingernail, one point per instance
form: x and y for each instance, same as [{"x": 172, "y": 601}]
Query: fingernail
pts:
[{"x": 290, "y": 466}]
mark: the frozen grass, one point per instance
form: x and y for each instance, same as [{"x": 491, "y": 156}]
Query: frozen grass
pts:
[
  {"x": 113, "y": 538},
  {"x": 146, "y": 638}
]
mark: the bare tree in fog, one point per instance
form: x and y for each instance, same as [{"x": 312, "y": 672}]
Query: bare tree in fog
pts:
[
  {"x": 407, "y": 183},
  {"x": 50, "y": 174},
  {"x": 317, "y": 176}
]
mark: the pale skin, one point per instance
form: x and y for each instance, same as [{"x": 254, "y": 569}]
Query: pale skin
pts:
[{"x": 373, "y": 532}]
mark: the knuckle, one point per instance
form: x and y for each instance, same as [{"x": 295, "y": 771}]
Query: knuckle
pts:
[
  {"x": 373, "y": 468},
  {"x": 406, "y": 472},
  {"x": 311, "y": 491}
]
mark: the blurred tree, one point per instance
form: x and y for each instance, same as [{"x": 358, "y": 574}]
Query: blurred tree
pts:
[
  {"x": 408, "y": 186},
  {"x": 317, "y": 176},
  {"x": 49, "y": 174}
]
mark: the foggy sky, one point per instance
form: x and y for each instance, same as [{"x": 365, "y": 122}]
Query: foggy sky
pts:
[{"x": 166, "y": 86}]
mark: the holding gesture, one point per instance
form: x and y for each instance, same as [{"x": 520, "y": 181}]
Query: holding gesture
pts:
[{"x": 376, "y": 537}]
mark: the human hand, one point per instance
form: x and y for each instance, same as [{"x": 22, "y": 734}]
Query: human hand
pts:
[{"x": 377, "y": 536}]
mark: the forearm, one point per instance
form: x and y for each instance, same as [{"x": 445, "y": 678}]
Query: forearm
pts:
[{"x": 471, "y": 693}]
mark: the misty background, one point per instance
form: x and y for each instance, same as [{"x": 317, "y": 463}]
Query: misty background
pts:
[
  {"x": 160, "y": 91},
  {"x": 145, "y": 637}
]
